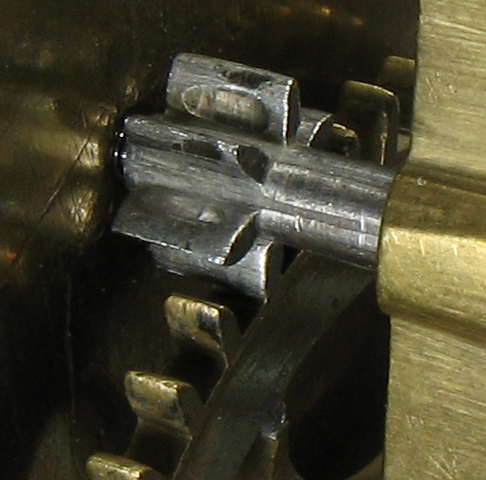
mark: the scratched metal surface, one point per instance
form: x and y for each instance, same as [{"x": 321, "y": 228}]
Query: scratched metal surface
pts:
[
  {"x": 437, "y": 416},
  {"x": 76, "y": 302},
  {"x": 432, "y": 258}
]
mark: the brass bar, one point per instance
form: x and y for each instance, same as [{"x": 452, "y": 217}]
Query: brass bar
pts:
[{"x": 431, "y": 274}]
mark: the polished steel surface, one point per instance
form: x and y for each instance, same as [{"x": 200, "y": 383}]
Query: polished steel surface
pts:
[
  {"x": 431, "y": 273},
  {"x": 251, "y": 99},
  {"x": 61, "y": 82},
  {"x": 291, "y": 195},
  {"x": 313, "y": 201}
]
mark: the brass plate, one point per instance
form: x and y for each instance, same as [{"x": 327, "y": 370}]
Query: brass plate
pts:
[{"x": 432, "y": 258}]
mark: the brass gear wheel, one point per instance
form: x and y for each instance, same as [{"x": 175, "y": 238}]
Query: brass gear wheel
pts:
[{"x": 241, "y": 430}]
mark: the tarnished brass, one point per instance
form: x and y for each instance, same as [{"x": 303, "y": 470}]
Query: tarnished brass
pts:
[
  {"x": 246, "y": 415},
  {"x": 163, "y": 402},
  {"x": 431, "y": 274},
  {"x": 112, "y": 467},
  {"x": 208, "y": 327},
  {"x": 374, "y": 113},
  {"x": 397, "y": 74},
  {"x": 169, "y": 415}
]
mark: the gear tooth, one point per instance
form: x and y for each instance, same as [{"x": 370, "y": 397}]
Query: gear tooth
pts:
[
  {"x": 344, "y": 141},
  {"x": 258, "y": 101},
  {"x": 164, "y": 403},
  {"x": 104, "y": 466},
  {"x": 213, "y": 328},
  {"x": 315, "y": 128}
]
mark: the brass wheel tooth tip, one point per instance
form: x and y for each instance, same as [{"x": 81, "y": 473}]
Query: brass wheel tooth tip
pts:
[
  {"x": 211, "y": 327},
  {"x": 113, "y": 467},
  {"x": 164, "y": 403},
  {"x": 397, "y": 74},
  {"x": 363, "y": 107}
]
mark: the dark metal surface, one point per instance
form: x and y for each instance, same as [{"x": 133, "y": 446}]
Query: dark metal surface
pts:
[
  {"x": 275, "y": 348},
  {"x": 74, "y": 309}
]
